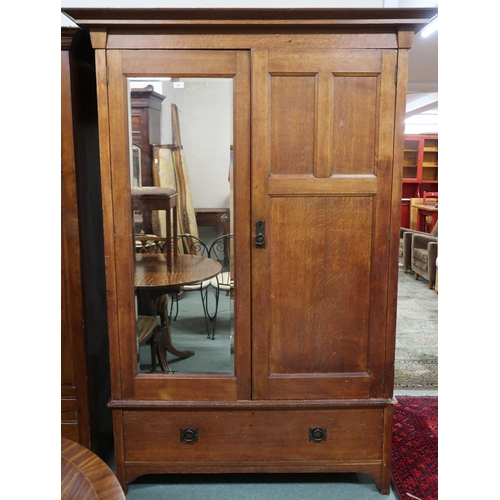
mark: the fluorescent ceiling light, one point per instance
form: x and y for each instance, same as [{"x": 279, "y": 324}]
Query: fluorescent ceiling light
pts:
[{"x": 431, "y": 27}]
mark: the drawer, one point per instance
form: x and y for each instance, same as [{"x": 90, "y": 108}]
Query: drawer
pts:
[
  {"x": 69, "y": 409},
  {"x": 212, "y": 218},
  {"x": 245, "y": 435}
]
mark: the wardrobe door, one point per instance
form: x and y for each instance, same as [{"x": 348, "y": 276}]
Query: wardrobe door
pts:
[
  {"x": 184, "y": 74},
  {"x": 322, "y": 136}
]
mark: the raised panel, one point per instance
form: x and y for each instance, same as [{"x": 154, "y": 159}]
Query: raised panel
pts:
[
  {"x": 354, "y": 125},
  {"x": 293, "y": 124},
  {"x": 320, "y": 300}
]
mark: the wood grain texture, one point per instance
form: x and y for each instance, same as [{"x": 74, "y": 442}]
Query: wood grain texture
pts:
[
  {"x": 292, "y": 132},
  {"x": 246, "y": 436},
  {"x": 84, "y": 476},
  {"x": 84, "y": 344},
  {"x": 327, "y": 213},
  {"x": 151, "y": 270},
  {"x": 313, "y": 326}
]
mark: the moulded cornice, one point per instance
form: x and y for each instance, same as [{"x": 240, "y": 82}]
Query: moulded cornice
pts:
[{"x": 352, "y": 19}]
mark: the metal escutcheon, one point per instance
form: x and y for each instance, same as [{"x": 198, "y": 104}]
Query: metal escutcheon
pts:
[
  {"x": 317, "y": 434},
  {"x": 260, "y": 234},
  {"x": 189, "y": 435}
]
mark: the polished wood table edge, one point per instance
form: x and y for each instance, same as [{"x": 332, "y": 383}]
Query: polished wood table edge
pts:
[
  {"x": 152, "y": 271},
  {"x": 85, "y": 476}
]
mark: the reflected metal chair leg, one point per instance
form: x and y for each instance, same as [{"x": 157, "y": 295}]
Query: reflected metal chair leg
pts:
[
  {"x": 217, "y": 291},
  {"x": 205, "y": 310}
]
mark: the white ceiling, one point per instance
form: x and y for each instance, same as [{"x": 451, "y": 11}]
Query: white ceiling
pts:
[{"x": 422, "y": 97}]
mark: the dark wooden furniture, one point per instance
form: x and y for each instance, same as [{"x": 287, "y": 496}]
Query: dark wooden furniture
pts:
[
  {"x": 146, "y": 115},
  {"x": 149, "y": 199},
  {"x": 317, "y": 186},
  {"x": 84, "y": 476},
  {"x": 85, "y": 373},
  {"x": 213, "y": 217},
  {"x": 216, "y": 217}
]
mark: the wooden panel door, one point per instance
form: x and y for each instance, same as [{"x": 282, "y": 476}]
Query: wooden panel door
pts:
[{"x": 322, "y": 143}]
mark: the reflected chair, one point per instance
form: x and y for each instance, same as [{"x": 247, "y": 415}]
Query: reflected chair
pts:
[
  {"x": 424, "y": 248},
  {"x": 430, "y": 198},
  {"x": 191, "y": 245},
  {"x": 150, "y": 243},
  {"x": 221, "y": 250},
  {"x": 146, "y": 328}
]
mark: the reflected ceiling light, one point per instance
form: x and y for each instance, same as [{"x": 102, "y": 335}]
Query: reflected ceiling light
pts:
[{"x": 431, "y": 27}]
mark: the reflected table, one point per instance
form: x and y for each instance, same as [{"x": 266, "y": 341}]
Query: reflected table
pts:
[{"x": 153, "y": 278}]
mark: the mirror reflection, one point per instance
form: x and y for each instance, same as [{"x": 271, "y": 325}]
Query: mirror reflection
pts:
[{"x": 181, "y": 191}]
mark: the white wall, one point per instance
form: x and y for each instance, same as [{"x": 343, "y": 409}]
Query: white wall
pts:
[{"x": 205, "y": 122}]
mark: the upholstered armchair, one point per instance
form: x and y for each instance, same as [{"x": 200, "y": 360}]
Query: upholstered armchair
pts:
[
  {"x": 424, "y": 248},
  {"x": 405, "y": 253},
  {"x": 405, "y": 247}
]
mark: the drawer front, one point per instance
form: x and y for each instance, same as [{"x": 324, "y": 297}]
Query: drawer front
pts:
[{"x": 244, "y": 435}]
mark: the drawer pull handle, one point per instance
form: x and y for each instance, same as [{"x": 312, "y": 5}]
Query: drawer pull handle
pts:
[
  {"x": 189, "y": 435},
  {"x": 317, "y": 434}
]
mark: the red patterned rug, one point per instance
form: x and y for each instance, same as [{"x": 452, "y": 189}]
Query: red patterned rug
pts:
[{"x": 415, "y": 448}]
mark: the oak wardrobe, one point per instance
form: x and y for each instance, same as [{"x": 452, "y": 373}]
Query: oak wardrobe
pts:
[{"x": 314, "y": 147}]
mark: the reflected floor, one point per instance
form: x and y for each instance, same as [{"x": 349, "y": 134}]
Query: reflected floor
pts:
[{"x": 189, "y": 332}]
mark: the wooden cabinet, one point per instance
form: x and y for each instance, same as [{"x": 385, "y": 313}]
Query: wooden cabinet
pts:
[
  {"x": 85, "y": 375},
  {"x": 420, "y": 170},
  {"x": 318, "y": 99},
  {"x": 145, "y": 107}
]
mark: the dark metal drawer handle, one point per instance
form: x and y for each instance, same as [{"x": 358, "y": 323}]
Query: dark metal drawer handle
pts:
[
  {"x": 317, "y": 434},
  {"x": 189, "y": 435}
]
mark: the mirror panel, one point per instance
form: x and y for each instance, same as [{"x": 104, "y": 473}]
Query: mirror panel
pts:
[{"x": 181, "y": 138}]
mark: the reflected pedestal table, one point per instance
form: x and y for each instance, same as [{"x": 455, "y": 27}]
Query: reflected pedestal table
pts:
[{"x": 153, "y": 278}]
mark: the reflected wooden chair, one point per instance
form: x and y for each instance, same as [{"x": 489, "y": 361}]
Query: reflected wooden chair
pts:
[
  {"x": 430, "y": 198},
  {"x": 146, "y": 329}
]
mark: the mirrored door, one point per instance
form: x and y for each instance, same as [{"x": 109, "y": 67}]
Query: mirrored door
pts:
[{"x": 183, "y": 301}]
